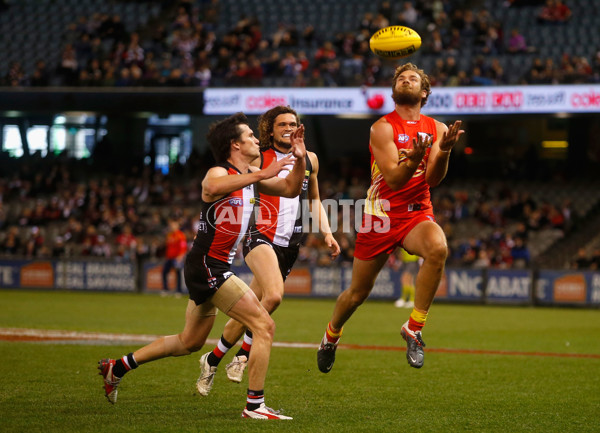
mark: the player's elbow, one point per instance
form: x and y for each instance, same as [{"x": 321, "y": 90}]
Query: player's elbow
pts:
[
  {"x": 292, "y": 191},
  {"x": 209, "y": 188},
  {"x": 395, "y": 184}
]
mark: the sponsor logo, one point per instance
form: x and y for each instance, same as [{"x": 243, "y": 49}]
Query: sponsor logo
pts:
[
  {"x": 439, "y": 101},
  {"x": 471, "y": 100},
  {"x": 222, "y": 102},
  {"x": 542, "y": 99},
  {"x": 587, "y": 99},
  {"x": 570, "y": 288},
  {"x": 507, "y": 99},
  {"x": 265, "y": 102},
  {"x": 37, "y": 274}
]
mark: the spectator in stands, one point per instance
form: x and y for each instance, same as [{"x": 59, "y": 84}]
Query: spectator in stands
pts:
[
  {"x": 12, "y": 242},
  {"x": 582, "y": 260},
  {"x": 521, "y": 257},
  {"x": 554, "y": 12},
  {"x": 517, "y": 43},
  {"x": 595, "y": 260},
  {"x": 68, "y": 69},
  {"x": 408, "y": 16},
  {"x": 16, "y": 75},
  {"x": 40, "y": 76}
]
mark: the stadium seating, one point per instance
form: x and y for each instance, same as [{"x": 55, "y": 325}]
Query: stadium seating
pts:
[{"x": 26, "y": 25}]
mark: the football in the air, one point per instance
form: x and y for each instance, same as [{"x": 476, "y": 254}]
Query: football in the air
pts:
[{"x": 394, "y": 42}]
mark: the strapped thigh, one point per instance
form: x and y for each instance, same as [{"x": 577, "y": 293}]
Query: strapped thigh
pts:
[{"x": 230, "y": 292}]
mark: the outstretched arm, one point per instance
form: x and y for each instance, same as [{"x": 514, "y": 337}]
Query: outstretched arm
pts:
[
  {"x": 437, "y": 166},
  {"x": 217, "y": 183}
]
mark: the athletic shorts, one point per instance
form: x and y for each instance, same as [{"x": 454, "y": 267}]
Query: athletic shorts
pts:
[
  {"x": 384, "y": 235},
  {"x": 286, "y": 256},
  {"x": 205, "y": 276}
]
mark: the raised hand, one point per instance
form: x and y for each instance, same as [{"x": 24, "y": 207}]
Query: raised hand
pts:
[
  {"x": 420, "y": 146},
  {"x": 297, "y": 142},
  {"x": 450, "y": 137}
]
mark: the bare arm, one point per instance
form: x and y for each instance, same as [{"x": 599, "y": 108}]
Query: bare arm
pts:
[
  {"x": 437, "y": 166},
  {"x": 395, "y": 173},
  {"x": 217, "y": 183},
  {"x": 291, "y": 185},
  {"x": 314, "y": 200}
]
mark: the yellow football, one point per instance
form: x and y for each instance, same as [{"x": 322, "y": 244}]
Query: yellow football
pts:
[{"x": 394, "y": 42}]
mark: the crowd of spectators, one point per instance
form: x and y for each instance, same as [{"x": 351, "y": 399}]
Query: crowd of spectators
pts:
[
  {"x": 181, "y": 48},
  {"x": 53, "y": 208},
  {"x": 585, "y": 260}
]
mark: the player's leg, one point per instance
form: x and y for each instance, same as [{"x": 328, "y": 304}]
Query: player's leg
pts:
[
  {"x": 232, "y": 332},
  {"x": 364, "y": 274},
  {"x": 427, "y": 240},
  {"x": 199, "y": 320},
  {"x": 268, "y": 285},
  {"x": 248, "y": 311}
]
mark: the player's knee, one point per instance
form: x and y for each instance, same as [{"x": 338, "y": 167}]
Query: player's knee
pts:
[
  {"x": 264, "y": 328},
  {"x": 357, "y": 297},
  {"x": 272, "y": 301},
  {"x": 437, "y": 253},
  {"x": 176, "y": 345}
]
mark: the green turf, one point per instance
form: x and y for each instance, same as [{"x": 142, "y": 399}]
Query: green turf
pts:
[{"x": 55, "y": 387}]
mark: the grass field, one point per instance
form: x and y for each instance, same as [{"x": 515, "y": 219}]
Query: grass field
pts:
[{"x": 526, "y": 376}]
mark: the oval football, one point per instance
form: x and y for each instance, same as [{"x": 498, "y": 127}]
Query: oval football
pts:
[{"x": 395, "y": 42}]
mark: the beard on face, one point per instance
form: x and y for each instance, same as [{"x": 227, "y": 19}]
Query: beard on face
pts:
[
  {"x": 406, "y": 97},
  {"x": 282, "y": 144}
]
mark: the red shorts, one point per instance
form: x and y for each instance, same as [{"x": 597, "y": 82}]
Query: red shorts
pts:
[{"x": 383, "y": 235}]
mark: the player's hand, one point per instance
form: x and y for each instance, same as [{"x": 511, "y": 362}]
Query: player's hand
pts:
[
  {"x": 285, "y": 163},
  {"x": 333, "y": 246},
  {"x": 450, "y": 137},
  {"x": 420, "y": 146},
  {"x": 297, "y": 142}
]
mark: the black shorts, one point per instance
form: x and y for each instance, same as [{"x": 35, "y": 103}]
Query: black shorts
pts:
[
  {"x": 204, "y": 275},
  {"x": 286, "y": 256}
]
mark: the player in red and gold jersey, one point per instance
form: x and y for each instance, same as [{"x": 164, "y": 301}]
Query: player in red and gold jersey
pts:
[
  {"x": 409, "y": 154},
  {"x": 228, "y": 195}
]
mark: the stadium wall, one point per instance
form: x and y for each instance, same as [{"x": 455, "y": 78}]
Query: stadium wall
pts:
[{"x": 475, "y": 286}]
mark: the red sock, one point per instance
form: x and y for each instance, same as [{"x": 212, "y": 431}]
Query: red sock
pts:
[
  {"x": 331, "y": 335},
  {"x": 413, "y": 325}
]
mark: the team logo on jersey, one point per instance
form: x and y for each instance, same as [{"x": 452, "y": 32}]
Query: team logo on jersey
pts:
[
  {"x": 230, "y": 214},
  {"x": 403, "y": 138},
  {"x": 424, "y": 136}
]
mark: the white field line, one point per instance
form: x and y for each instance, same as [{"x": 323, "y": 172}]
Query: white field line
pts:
[{"x": 77, "y": 337}]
